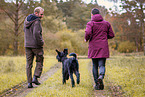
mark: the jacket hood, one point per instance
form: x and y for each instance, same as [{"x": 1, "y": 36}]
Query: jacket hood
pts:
[
  {"x": 97, "y": 18},
  {"x": 30, "y": 19}
]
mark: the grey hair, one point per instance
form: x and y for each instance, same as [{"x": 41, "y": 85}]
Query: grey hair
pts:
[{"x": 38, "y": 9}]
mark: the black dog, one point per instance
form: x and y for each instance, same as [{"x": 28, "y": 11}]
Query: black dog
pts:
[{"x": 69, "y": 66}]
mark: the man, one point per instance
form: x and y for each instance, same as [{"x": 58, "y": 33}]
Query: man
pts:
[
  {"x": 34, "y": 45},
  {"x": 97, "y": 32}
]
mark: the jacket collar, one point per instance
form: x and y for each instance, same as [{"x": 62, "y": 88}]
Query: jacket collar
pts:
[{"x": 97, "y": 18}]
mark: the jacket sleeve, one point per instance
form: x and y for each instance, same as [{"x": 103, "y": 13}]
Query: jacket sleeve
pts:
[
  {"x": 37, "y": 32},
  {"x": 110, "y": 33},
  {"x": 88, "y": 31}
]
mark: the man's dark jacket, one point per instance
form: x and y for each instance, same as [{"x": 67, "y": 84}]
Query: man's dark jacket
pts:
[{"x": 33, "y": 32}]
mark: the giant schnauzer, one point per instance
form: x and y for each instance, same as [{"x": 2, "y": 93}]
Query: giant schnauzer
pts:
[{"x": 69, "y": 66}]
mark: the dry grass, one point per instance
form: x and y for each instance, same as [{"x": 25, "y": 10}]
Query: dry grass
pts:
[
  {"x": 13, "y": 70},
  {"x": 127, "y": 73},
  {"x": 53, "y": 87}
]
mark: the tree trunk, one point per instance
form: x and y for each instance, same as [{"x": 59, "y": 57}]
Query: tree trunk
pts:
[
  {"x": 16, "y": 30},
  {"x": 143, "y": 37},
  {"x": 142, "y": 24},
  {"x": 137, "y": 45}
]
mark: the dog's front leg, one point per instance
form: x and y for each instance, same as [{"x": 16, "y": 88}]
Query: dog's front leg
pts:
[
  {"x": 63, "y": 76},
  {"x": 63, "y": 79}
]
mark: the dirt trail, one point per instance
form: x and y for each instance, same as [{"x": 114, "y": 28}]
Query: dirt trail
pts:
[{"x": 21, "y": 90}]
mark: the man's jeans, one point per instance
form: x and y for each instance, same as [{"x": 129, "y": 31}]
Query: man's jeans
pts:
[
  {"x": 98, "y": 63},
  {"x": 30, "y": 53}
]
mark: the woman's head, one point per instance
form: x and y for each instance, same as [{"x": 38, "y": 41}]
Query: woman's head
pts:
[{"x": 95, "y": 11}]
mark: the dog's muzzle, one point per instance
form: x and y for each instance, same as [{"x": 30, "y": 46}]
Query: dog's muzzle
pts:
[{"x": 58, "y": 58}]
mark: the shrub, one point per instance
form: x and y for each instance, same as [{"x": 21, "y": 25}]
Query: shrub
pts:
[
  {"x": 126, "y": 47},
  {"x": 65, "y": 38}
]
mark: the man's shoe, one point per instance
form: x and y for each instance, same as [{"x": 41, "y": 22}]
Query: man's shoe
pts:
[
  {"x": 30, "y": 85},
  {"x": 35, "y": 81}
]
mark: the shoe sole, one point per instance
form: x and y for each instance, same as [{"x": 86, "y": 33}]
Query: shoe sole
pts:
[
  {"x": 30, "y": 87},
  {"x": 36, "y": 83}
]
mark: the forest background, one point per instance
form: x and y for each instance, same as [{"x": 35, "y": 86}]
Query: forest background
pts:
[{"x": 64, "y": 25}]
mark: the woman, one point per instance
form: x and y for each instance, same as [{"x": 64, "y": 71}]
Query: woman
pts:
[{"x": 97, "y": 32}]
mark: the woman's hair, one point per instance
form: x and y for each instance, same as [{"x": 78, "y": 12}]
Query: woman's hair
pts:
[{"x": 95, "y": 11}]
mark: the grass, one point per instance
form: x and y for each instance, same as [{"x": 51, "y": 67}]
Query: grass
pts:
[
  {"x": 53, "y": 87},
  {"x": 127, "y": 73},
  {"x": 13, "y": 70}
]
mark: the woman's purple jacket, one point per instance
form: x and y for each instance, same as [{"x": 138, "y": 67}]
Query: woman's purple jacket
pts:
[{"x": 97, "y": 32}]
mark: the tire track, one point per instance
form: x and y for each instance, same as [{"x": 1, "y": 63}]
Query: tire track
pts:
[{"x": 21, "y": 90}]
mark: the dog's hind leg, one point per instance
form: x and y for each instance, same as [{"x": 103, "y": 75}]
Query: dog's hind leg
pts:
[
  {"x": 67, "y": 76},
  {"x": 78, "y": 76},
  {"x": 64, "y": 79},
  {"x": 71, "y": 77}
]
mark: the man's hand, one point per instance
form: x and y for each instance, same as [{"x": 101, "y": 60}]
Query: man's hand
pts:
[{"x": 43, "y": 42}]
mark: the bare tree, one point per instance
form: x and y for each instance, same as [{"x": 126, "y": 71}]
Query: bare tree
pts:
[{"x": 16, "y": 10}]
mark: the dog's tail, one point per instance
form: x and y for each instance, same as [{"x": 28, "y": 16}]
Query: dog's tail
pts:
[{"x": 73, "y": 54}]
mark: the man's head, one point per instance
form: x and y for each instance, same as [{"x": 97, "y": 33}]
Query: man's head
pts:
[
  {"x": 39, "y": 11},
  {"x": 95, "y": 11}
]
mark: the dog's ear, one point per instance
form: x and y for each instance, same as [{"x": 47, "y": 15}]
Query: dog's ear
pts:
[
  {"x": 65, "y": 51},
  {"x": 57, "y": 51}
]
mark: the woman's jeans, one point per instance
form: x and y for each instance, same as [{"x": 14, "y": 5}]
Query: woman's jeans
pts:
[{"x": 98, "y": 63}]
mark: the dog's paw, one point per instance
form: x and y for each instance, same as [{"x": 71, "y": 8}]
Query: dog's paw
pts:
[
  {"x": 73, "y": 86},
  {"x": 67, "y": 77},
  {"x": 78, "y": 81},
  {"x": 64, "y": 82}
]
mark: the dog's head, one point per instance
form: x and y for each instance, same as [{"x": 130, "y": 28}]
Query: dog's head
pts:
[{"x": 61, "y": 55}]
